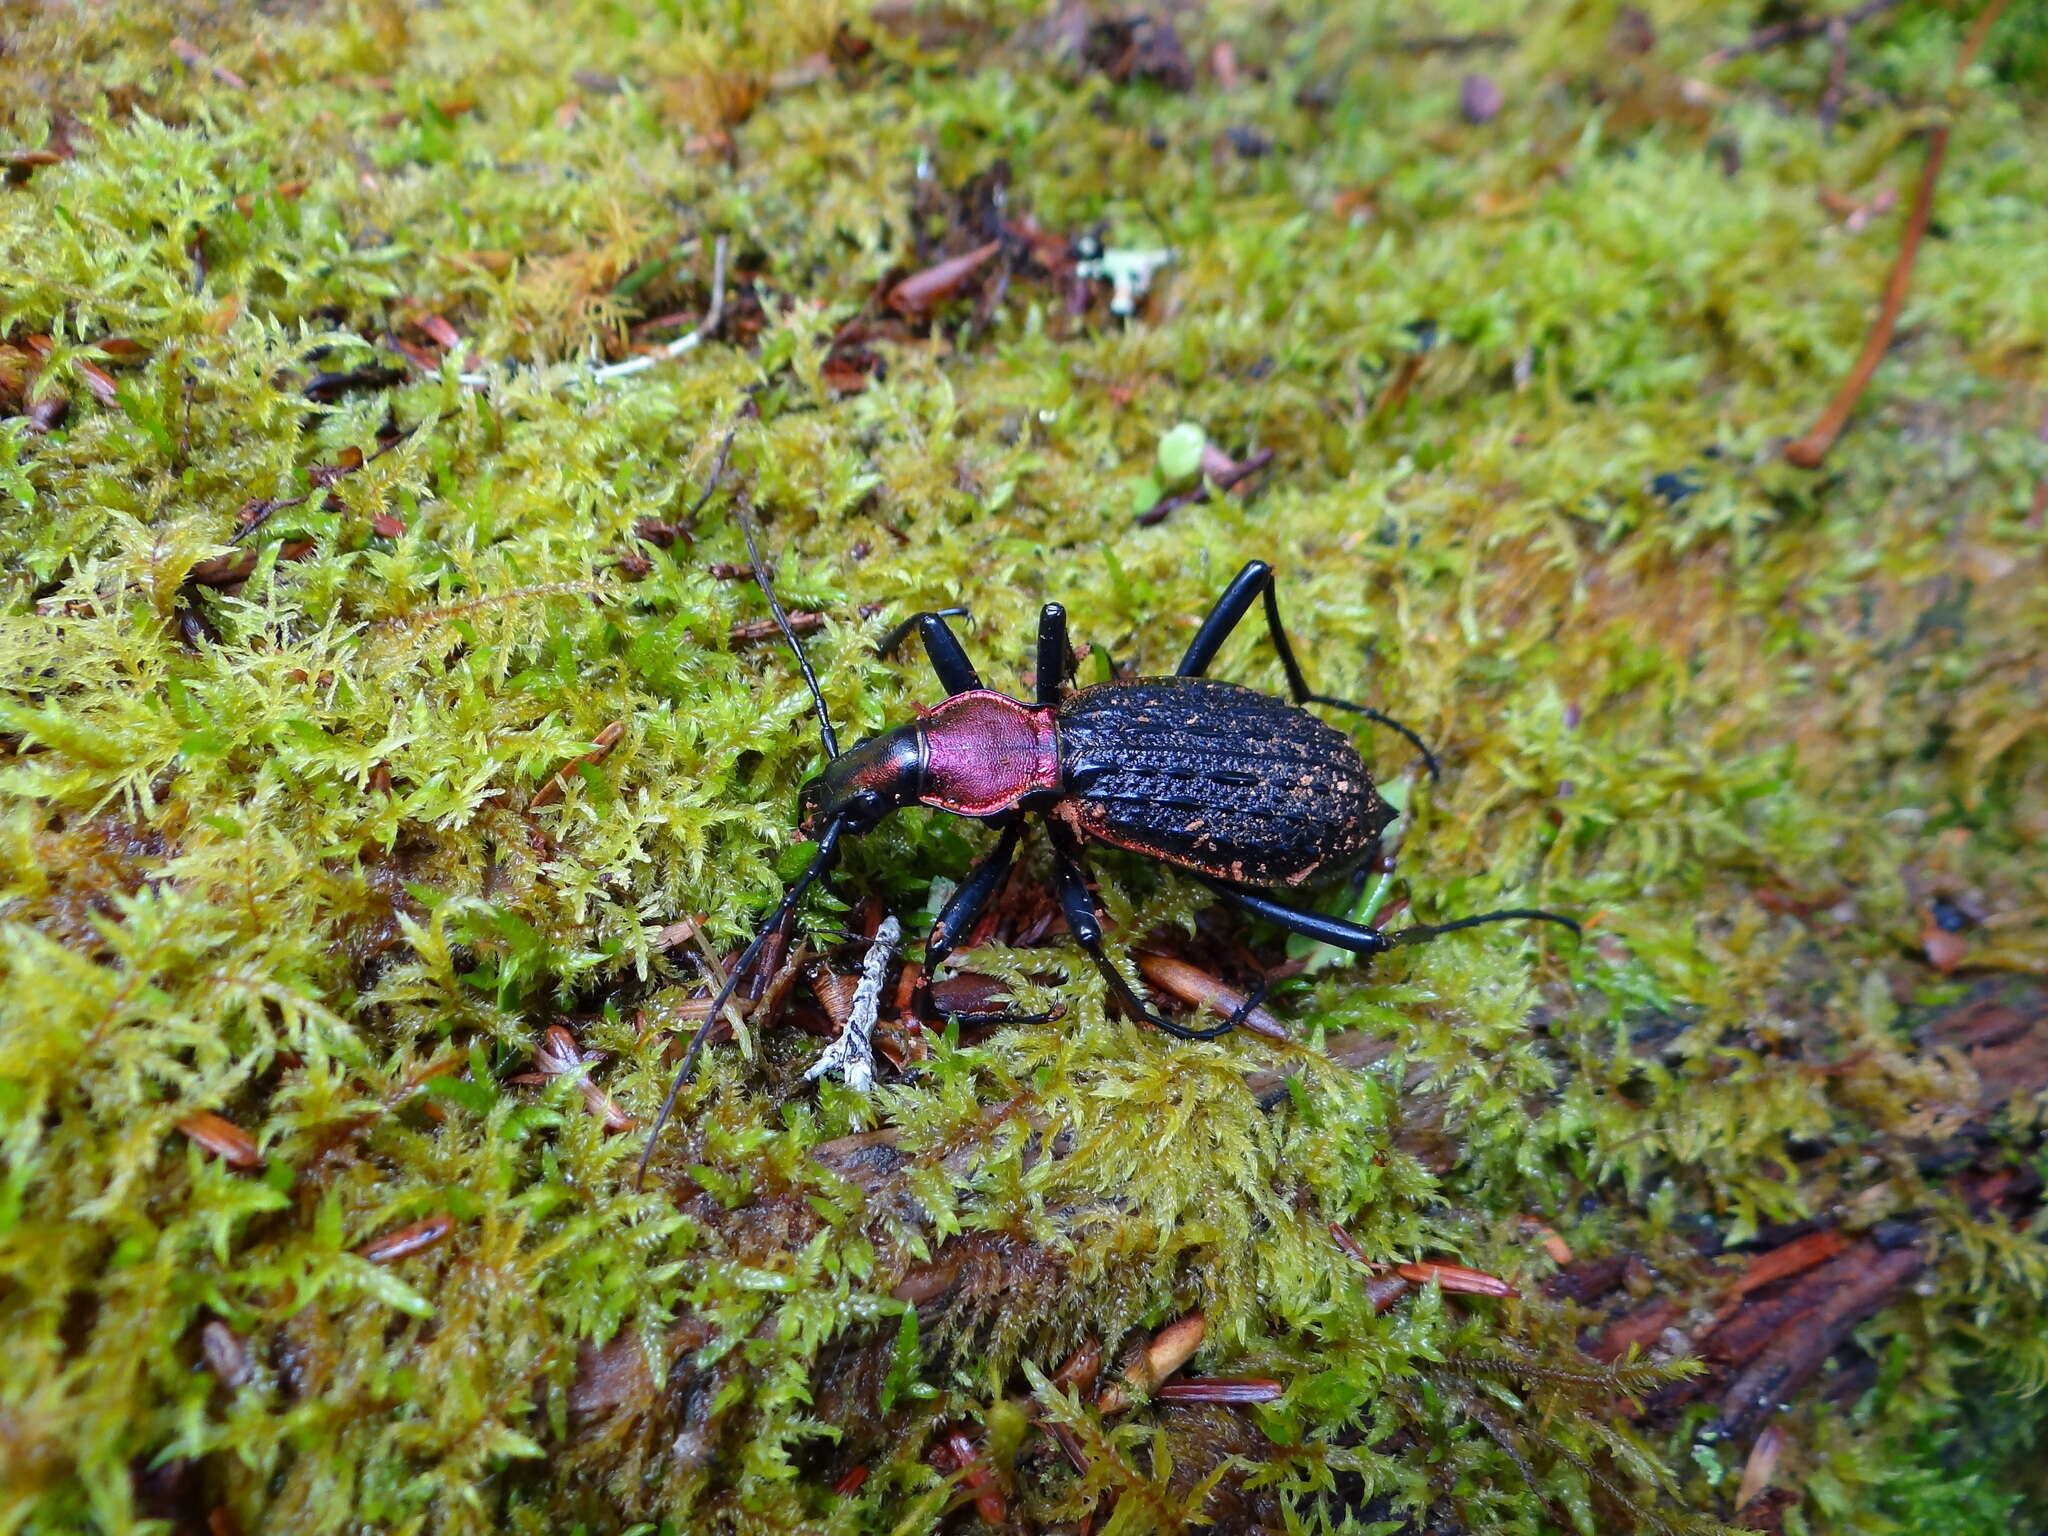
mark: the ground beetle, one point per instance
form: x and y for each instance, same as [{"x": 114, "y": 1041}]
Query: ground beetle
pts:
[{"x": 1244, "y": 791}]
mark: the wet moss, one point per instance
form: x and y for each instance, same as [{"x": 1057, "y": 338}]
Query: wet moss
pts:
[{"x": 271, "y": 848}]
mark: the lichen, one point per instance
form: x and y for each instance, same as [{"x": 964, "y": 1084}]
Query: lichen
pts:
[{"x": 297, "y": 622}]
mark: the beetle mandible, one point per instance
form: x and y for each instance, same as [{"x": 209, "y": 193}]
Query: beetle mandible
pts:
[{"x": 1244, "y": 791}]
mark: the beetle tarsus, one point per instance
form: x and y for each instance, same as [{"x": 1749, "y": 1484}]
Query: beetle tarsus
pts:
[
  {"x": 1423, "y": 932},
  {"x": 1357, "y": 937},
  {"x": 941, "y": 647}
]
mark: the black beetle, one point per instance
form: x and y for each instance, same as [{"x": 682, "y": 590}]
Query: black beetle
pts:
[{"x": 1244, "y": 791}]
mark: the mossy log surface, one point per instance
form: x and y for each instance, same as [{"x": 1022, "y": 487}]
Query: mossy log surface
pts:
[{"x": 392, "y": 744}]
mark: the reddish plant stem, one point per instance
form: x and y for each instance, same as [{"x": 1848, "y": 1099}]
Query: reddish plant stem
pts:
[
  {"x": 1979, "y": 31},
  {"x": 2038, "y": 513},
  {"x": 1811, "y": 451},
  {"x": 601, "y": 748}
]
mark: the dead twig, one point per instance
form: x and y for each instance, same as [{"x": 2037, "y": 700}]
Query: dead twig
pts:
[
  {"x": 1798, "y": 1351},
  {"x": 852, "y": 1054},
  {"x": 1810, "y": 451},
  {"x": 323, "y": 476},
  {"x": 921, "y": 292},
  {"x": 406, "y": 1241},
  {"x": 1204, "y": 488},
  {"x": 1169, "y": 1350},
  {"x": 559, "y": 1055},
  {"x": 1198, "y": 989},
  {"x": 601, "y": 748},
  {"x": 223, "y": 1138},
  {"x": 714, "y": 316},
  {"x": 2038, "y": 513},
  {"x": 1765, "y": 39}
]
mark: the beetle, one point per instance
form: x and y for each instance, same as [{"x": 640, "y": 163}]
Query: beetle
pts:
[{"x": 1246, "y": 792}]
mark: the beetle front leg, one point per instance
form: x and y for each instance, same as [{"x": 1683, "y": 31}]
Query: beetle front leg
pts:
[
  {"x": 941, "y": 646},
  {"x": 1084, "y": 919},
  {"x": 1055, "y": 655},
  {"x": 962, "y": 910}
]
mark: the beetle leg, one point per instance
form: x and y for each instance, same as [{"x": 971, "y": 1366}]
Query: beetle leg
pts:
[
  {"x": 1422, "y": 933},
  {"x": 1356, "y": 937},
  {"x": 1055, "y": 656},
  {"x": 819, "y": 867},
  {"x": 961, "y": 911},
  {"x": 1251, "y": 584},
  {"x": 1229, "y": 612},
  {"x": 941, "y": 646},
  {"x": 1084, "y": 919}
]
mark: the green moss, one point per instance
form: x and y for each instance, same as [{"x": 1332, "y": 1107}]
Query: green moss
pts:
[{"x": 267, "y": 849}]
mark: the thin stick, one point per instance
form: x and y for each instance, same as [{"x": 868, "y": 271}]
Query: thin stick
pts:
[
  {"x": 707, "y": 328},
  {"x": 1810, "y": 451},
  {"x": 270, "y": 508},
  {"x": 2039, "y": 510},
  {"x": 852, "y": 1055},
  {"x": 1764, "y": 40},
  {"x": 1974, "y": 43}
]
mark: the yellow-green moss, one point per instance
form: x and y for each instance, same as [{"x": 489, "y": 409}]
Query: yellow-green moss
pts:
[{"x": 264, "y": 852}]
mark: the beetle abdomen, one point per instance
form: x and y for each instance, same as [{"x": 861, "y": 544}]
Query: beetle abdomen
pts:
[{"x": 1216, "y": 777}]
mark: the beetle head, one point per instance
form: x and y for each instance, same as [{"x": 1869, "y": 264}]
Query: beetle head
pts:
[{"x": 865, "y": 783}]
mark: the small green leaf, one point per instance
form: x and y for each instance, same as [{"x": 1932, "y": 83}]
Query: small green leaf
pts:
[
  {"x": 471, "y": 1096},
  {"x": 389, "y": 1289},
  {"x": 1180, "y": 453},
  {"x": 903, "y": 1366}
]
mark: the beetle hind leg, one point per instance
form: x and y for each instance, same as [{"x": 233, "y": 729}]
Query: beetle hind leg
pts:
[
  {"x": 1422, "y": 933},
  {"x": 1356, "y": 937}
]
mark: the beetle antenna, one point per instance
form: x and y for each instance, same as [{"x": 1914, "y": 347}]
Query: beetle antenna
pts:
[
  {"x": 821, "y": 861},
  {"x": 1423, "y": 933},
  {"x": 739, "y": 511}
]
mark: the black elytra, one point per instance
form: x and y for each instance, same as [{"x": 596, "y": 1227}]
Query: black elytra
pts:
[{"x": 1246, "y": 792}]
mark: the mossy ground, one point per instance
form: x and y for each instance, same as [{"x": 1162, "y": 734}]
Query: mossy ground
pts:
[{"x": 268, "y": 850}]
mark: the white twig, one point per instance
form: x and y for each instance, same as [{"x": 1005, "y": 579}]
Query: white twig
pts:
[
  {"x": 646, "y": 360},
  {"x": 852, "y": 1055}
]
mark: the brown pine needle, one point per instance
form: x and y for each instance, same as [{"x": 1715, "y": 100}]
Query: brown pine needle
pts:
[{"x": 1811, "y": 451}]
